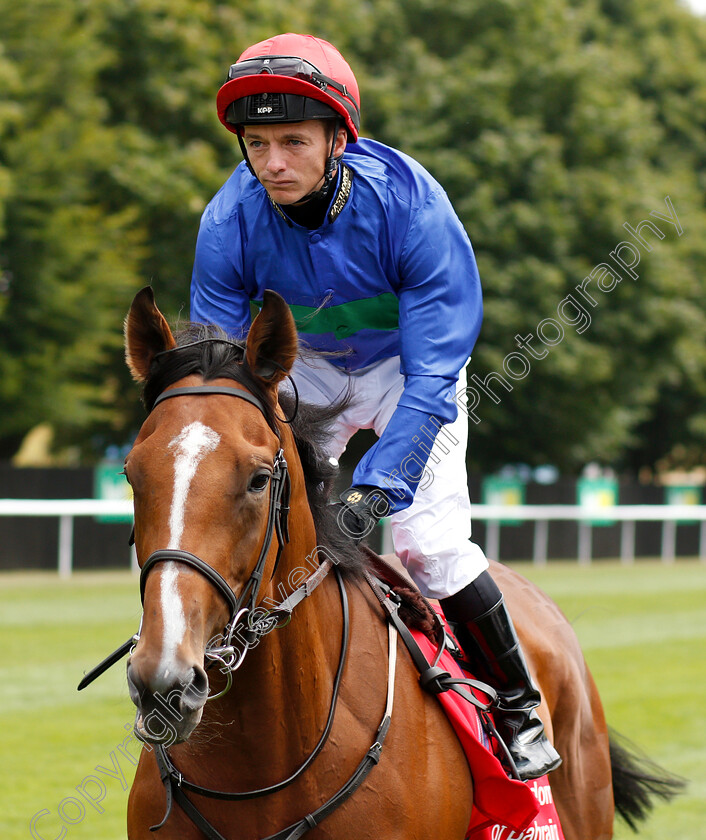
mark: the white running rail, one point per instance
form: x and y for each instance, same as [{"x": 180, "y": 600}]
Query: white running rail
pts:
[
  {"x": 669, "y": 515},
  {"x": 66, "y": 510},
  {"x": 494, "y": 515}
]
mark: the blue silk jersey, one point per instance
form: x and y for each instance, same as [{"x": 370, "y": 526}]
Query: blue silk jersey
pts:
[{"x": 390, "y": 272}]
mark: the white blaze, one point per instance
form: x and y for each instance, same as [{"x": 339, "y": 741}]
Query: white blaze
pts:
[{"x": 189, "y": 448}]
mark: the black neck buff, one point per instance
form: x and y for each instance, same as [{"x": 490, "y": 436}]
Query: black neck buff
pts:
[{"x": 311, "y": 212}]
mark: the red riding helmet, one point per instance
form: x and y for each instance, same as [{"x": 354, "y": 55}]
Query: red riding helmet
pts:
[{"x": 290, "y": 78}]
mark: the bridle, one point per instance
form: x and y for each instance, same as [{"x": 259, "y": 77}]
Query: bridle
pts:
[
  {"x": 245, "y": 622},
  {"x": 242, "y": 608},
  {"x": 242, "y": 623}
]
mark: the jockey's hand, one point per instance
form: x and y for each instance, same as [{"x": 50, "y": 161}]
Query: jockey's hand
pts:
[{"x": 360, "y": 509}]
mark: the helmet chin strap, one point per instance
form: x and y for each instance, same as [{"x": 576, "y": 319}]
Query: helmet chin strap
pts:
[{"x": 244, "y": 153}]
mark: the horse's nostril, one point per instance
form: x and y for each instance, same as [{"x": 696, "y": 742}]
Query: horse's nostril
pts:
[
  {"x": 200, "y": 680},
  {"x": 196, "y": 691},
  {"x": 134, "y": 684}
]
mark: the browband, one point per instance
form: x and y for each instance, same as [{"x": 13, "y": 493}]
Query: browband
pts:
[{"x": 211, "y": 389}]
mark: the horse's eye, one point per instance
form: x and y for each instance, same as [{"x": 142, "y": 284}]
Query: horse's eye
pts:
[{"x": 259, "y": 482}]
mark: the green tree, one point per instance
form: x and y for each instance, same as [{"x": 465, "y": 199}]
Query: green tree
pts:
[
  {"x": 67, "y": 259},
  {"x": 110, "y": 175},
  {"x": 549, "y": 122}
]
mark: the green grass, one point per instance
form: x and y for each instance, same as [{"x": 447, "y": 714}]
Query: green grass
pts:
[
  {"x": 53, "y": 737},
  {"x": 643, "y": 629}
]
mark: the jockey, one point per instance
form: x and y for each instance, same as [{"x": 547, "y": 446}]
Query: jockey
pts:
[{"x": 364, "y": 246}]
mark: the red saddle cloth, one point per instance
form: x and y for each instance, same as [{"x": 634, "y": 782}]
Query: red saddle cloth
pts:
[{"x": 503, "y": 808}]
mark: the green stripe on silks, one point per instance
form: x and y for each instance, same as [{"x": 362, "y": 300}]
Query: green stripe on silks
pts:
[{"x": 346, "y": 319}]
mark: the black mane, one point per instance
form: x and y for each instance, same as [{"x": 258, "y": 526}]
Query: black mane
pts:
[{"x": 208, "y": 352}]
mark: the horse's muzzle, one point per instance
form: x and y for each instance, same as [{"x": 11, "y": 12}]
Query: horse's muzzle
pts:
[{"x": 169, "y": 704}]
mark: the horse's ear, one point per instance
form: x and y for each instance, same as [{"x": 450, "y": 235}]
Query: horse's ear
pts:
[
  {"x": 272, "y": 341},
  {"x": 146, "y": 333}
]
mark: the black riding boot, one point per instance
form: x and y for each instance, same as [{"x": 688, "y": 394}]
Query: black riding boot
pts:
[{"x": 488, "y": 637}]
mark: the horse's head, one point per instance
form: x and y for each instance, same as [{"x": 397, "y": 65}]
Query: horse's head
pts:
[{"x": 205, "y": 469}]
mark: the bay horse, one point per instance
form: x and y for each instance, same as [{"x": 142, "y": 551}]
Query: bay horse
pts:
[{"x": 231, "y": 507}]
